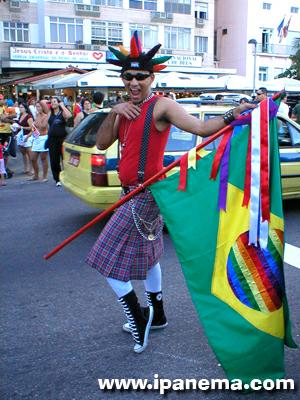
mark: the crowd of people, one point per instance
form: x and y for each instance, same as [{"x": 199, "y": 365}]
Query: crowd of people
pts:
[
  {"x": 284, "y": 109},
  {"x": 37, "y": 128}
]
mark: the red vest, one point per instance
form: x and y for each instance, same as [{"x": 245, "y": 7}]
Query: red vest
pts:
[{"x": 130, "y": 134}]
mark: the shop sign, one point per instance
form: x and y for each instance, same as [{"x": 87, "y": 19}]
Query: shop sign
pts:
[
  {"x": 185, "y": 61},
  {"x": 57, "y": 55}
]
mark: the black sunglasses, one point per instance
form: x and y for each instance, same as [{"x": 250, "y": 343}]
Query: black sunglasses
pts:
[
  {"x": 139, "y": 76},
  {"x": 259, "y": 93}
]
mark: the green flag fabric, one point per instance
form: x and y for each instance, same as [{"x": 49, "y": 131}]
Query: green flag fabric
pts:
[{"x": 237, "y": 288}]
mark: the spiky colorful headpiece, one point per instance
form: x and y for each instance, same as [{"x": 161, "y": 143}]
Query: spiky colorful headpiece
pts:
[{"x": 136, "y": 58}]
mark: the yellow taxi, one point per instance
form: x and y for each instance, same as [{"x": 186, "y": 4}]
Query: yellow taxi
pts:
[
  {"x": 289, "y": 148},
  {"x": 91, "y": 174}
]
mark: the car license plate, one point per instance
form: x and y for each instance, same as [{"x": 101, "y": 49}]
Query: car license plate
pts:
[{"x": 74, "y": 160}]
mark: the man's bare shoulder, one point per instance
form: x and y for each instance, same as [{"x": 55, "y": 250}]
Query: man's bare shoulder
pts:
[
  {"x": 165, "y": 100},
  {"x": 165, "y": 104}
]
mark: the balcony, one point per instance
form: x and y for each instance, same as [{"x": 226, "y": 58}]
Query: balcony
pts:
[
  {"x": 157, "y": 16},
  {"x": 199, "y": 22},
  {"x": 86, "y": 10},
  {"x": 275, "y": 49}
]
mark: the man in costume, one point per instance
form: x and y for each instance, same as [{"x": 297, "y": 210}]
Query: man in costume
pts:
[
  {"x": 131, "y": 244},
  {"x": 261, "y": 94}
]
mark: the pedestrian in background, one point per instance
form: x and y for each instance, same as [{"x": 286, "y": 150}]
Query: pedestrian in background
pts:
[
  {"x": 98, "y": 98},
  {"x": 59, "y": 115},
  {"x": 32, "y": 107},
  {"x": 86, "y": 110},
  {"x": 6, "y": 119},
  {"x": 2, "y": 166},
  {"x": 24, "y": 140},
  {"x": 243, "y": 100},
  {"x": 219, "y": 97},
  {"x": 283, "y": 107},
  {"x": 40, "y": 135},
  {"x": 77, "y": 107},
  {"x": 296, "y": 113}
]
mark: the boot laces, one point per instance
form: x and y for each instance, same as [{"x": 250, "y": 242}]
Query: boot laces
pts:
[{"x": 131, "y": 322}]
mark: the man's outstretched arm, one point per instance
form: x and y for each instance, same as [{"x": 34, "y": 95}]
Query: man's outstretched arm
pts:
[{"x": 175, "y": 114}]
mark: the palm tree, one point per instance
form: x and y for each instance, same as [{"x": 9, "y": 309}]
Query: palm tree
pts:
[{"x": 294, "y": 70}]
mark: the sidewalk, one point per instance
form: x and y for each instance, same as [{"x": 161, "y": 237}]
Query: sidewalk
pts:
[{"x": 16, "y": 165}]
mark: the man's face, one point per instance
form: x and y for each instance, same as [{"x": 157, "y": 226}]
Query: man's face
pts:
[
  {"x": 138, "y": 84},
  {"x": 260, "y": 95}
]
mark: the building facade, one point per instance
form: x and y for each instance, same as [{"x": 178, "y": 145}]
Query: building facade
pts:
[
  {"x": 46, "y": 34},
  {"x": 239, "y": 21},
  {"x": 204, "y": 36}
]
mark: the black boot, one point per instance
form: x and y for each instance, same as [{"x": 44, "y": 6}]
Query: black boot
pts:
[
  {"x": 139, "y": 326},
  {"x": 159, "y": 319}
]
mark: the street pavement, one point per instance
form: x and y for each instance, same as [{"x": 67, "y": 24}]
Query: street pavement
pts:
[{"x": 61, "y": 324}]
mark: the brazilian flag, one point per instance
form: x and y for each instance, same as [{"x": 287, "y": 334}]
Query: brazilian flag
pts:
[{"x": 238, "y": 289}]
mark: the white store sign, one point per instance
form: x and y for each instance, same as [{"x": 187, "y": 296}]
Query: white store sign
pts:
[
  {"x": 57, "y": 55},
  {"x": 185, "y": 61}
]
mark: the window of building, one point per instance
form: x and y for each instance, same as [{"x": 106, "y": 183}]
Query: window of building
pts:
[
  {"x": 201, "y": 44},
  {"x": 107, "y": 3},
  {"x": 177, "y": 38},
  {"x": 69, "y": 1},
  {"x": 147, "y": 33},
  {"x": 201, "y": 10},
  {"x": 66, "y": 30},
  {"x": 108, "y": 33},
  {"x": 143, "y": 4},
  {"x": 266, "y": 40},
  {"x": 263, "y": 73},
  {"x": 267, "y": 6},
  {"x": 178, "y": 6},
  {"x": 294, "y": 10},
  {"x": 16, "y": 32}
]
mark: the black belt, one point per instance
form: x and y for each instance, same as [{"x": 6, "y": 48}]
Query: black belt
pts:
[{"x": 128, "y": 189}]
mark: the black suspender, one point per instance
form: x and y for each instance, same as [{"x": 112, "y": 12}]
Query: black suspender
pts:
[{"x": 145, "y": 142}]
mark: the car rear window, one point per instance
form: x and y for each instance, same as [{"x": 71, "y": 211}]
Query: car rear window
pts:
[
  {"x": 85, "y": 133},
  {"x": 180, "y": 140},
  {"x": 213, "y": 145}
]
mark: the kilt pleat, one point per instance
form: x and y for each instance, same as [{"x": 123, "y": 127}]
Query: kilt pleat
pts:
[{"x": 120, "y": 251}]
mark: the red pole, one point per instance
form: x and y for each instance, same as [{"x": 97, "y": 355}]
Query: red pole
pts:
[{"x": 130, "y": 195}]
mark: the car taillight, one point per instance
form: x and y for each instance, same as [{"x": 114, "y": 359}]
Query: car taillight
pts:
[
  {"x": 98, "y": 164},
  {"x": 98, "y": 160}
]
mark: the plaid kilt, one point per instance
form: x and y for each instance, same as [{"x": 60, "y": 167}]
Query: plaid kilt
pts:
[{"x": 120, "y": 251}]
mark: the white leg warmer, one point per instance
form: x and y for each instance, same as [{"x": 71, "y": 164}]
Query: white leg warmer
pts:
[
  {"x": 153, "y": 280},
  {"x": 119, "y": 287}
]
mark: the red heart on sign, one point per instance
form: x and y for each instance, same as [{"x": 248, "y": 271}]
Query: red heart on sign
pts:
[{"x": 98, "y": 55}]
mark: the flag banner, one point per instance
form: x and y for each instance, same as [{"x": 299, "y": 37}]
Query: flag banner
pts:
[
  {"x": 236, "y": 284},
  {"x": 285, "y": 29},
  {"x": 280, "y": 30}
]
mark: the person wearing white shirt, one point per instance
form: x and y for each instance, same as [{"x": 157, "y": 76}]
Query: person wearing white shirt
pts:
[{"x": 283, "y": 107}]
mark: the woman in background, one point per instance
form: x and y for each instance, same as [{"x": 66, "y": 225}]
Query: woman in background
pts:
[
  {"x": 59, "y": 115},
  {"x": 86, "y": 110},
  {"x": 39, "y": 135},
  {"x": 24, "y": 140}
]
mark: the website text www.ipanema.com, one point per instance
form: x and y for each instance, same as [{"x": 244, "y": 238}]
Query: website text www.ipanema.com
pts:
[{"x": 164, "y": 386}]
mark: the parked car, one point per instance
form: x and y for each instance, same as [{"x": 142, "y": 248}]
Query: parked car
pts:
[
  {"x": 91, "y": 174},
  {"x": 209, "y": 98}
]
